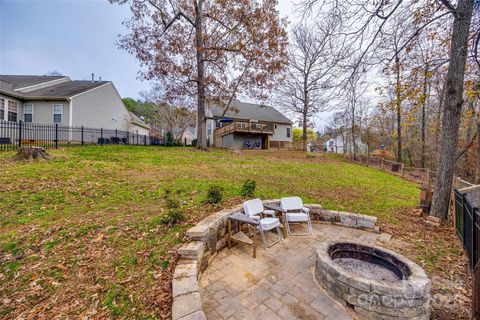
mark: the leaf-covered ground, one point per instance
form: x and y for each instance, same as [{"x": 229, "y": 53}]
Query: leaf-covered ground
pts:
[{"x": 82, "y": 235}]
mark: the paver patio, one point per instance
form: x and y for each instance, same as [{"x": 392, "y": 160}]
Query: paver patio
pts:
[{"x": 278, "y": 284}]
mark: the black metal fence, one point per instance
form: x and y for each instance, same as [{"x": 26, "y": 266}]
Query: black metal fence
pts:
[
  {"x": 17, "y": 134},
  {"x": 467, "y": 226}
]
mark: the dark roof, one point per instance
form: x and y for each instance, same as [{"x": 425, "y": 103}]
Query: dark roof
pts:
[
  {"x": 22, "y": 81},
  {"x": 61, "y": 90},
  {"x": 250, "y": 111},
  {"x": 65, "y": 89}
]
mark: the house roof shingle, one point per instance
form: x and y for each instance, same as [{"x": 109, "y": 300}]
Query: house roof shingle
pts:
[
  {"x": 21, "y": 81},
  {"x": 65, "y": 89},
  {"x": 250, "y": 111},
  {"x": 9, "y": 84}
]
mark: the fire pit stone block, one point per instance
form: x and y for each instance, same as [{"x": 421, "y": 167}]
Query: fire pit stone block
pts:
[{"x": 408, "y": 297}]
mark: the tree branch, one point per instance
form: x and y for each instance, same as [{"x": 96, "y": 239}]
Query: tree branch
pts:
[
  {"x": 466, "y": 147},
  {"x": 449, "y": 5}
]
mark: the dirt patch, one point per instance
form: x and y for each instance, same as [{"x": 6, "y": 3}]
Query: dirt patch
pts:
[
  {"x": 300, "y": 312},
  {"x": 285, "y": 155}
]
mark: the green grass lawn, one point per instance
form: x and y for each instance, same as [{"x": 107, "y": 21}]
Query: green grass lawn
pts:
[{"x": 83, "y": 233}]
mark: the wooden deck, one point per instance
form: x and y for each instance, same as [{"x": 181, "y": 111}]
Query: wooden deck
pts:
[{"x": 245, "y": 127}]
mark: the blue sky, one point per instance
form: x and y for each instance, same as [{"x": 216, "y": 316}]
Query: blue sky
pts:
[{"x": 74, "y": 37}]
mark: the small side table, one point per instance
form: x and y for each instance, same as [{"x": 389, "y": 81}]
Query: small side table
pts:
[
  {"x": 283, "y": 218},
  {"x": 239, "y": 236}
]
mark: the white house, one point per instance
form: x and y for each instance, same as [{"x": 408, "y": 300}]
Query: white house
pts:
[{"x": 342, "y": 143}]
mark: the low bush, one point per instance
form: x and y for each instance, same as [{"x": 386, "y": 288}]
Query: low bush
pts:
[
  {"x": 248, "y": 188},
  {"x": 214, "y": 195},
  {"x": 174, "y": 211}
]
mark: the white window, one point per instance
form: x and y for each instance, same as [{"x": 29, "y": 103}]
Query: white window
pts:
[
  {"x": 12, "y": 111},
  {"x": 57, "y": 113},
  {"x": 2, "y": 109},
  {"x": 28, "y": 112}
]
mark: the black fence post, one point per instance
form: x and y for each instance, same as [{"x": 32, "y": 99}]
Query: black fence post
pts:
[
  {"x": 116, "y": 136},
  {"x": 464, "y": 195},
  {"x": 101, "y": 136},
  {"x": 128, "y": 138},
  {"x": 145, "y": 140},
  {"x": 56, "y": 135},
  {"x": 20, "y": 133},
  {"x": 82, "y": 136},
  {"x": 474, "y": 237}
]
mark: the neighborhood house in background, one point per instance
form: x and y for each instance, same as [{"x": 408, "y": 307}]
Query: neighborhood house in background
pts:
[
  {"x": 248, "y": 126},
  {"x": 342, "y": 143},
  {"x": 68, "y": 103}
]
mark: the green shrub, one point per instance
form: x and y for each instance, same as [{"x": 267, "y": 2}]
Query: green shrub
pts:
[
  {"x": 214, "y": 195},
  {"x": 169, "y": 137},
  {"x": 174, "y": 210},
  {"x": 248, "y": 188},
  {"x": 194, "y": 142}
]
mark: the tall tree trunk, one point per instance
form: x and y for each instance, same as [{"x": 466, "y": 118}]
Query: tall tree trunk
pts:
[
  {"x": 399, "y": 109},
  {"x": 201, "y": 121},
  {"x": 353, "y": 137},
  {"x": 424, "y": 105},
  {"x": 304, "y": 133},
  {"x": 304, "y": 120},
  {"x": 438, "y": 128},
  {"x": 452, "y": 108}
]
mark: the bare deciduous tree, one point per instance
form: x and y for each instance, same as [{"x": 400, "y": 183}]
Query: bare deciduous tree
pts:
[
  {"x": 313, "y": 57},
  {"x": 175, "y": 116},
  {"x": 207, "y": 48},
  {"x": 367, "y": 24}
]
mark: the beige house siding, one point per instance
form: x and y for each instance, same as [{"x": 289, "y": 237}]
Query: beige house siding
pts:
[
  {"x": 43, "y": 111},
  {"x": 139, "y": 130},
  {"x": 101, "y": 107},
  {"x": 280, "y": 133}
]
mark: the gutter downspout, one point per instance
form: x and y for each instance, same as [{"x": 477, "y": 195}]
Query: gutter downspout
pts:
[{"x": 70, "y": 120}]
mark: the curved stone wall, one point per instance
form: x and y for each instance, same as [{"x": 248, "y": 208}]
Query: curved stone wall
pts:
[{"x": 209, "y": 236}]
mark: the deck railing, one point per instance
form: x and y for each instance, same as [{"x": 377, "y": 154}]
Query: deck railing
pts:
[{"x": 245, "y": 127}]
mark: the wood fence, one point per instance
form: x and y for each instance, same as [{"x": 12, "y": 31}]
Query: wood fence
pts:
[{"x": 424, "y": 176}]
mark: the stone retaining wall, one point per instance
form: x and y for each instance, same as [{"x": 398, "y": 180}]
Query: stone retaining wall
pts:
[{"x": 209, "y": 236}]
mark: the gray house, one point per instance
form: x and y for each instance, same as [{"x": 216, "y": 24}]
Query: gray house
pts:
[
  {"x": 248, "y": 126},
  {"x": 70, "y": 103}
]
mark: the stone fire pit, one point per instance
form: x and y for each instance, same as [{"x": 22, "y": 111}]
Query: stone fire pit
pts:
[{"x": 377, "y": 283}]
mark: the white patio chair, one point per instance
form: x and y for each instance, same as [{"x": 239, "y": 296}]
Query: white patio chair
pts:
[
  {"x": 295, "y": 212},
  {"x": 254, "y": 209}
]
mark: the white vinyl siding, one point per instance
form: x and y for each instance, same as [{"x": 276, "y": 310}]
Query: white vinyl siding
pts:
[
  {"x": 28, "y": 112},
  {"x": 57, "y": 113}
]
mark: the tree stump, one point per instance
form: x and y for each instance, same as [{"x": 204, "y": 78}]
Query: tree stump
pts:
[{"x": 31, "y": 153}]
